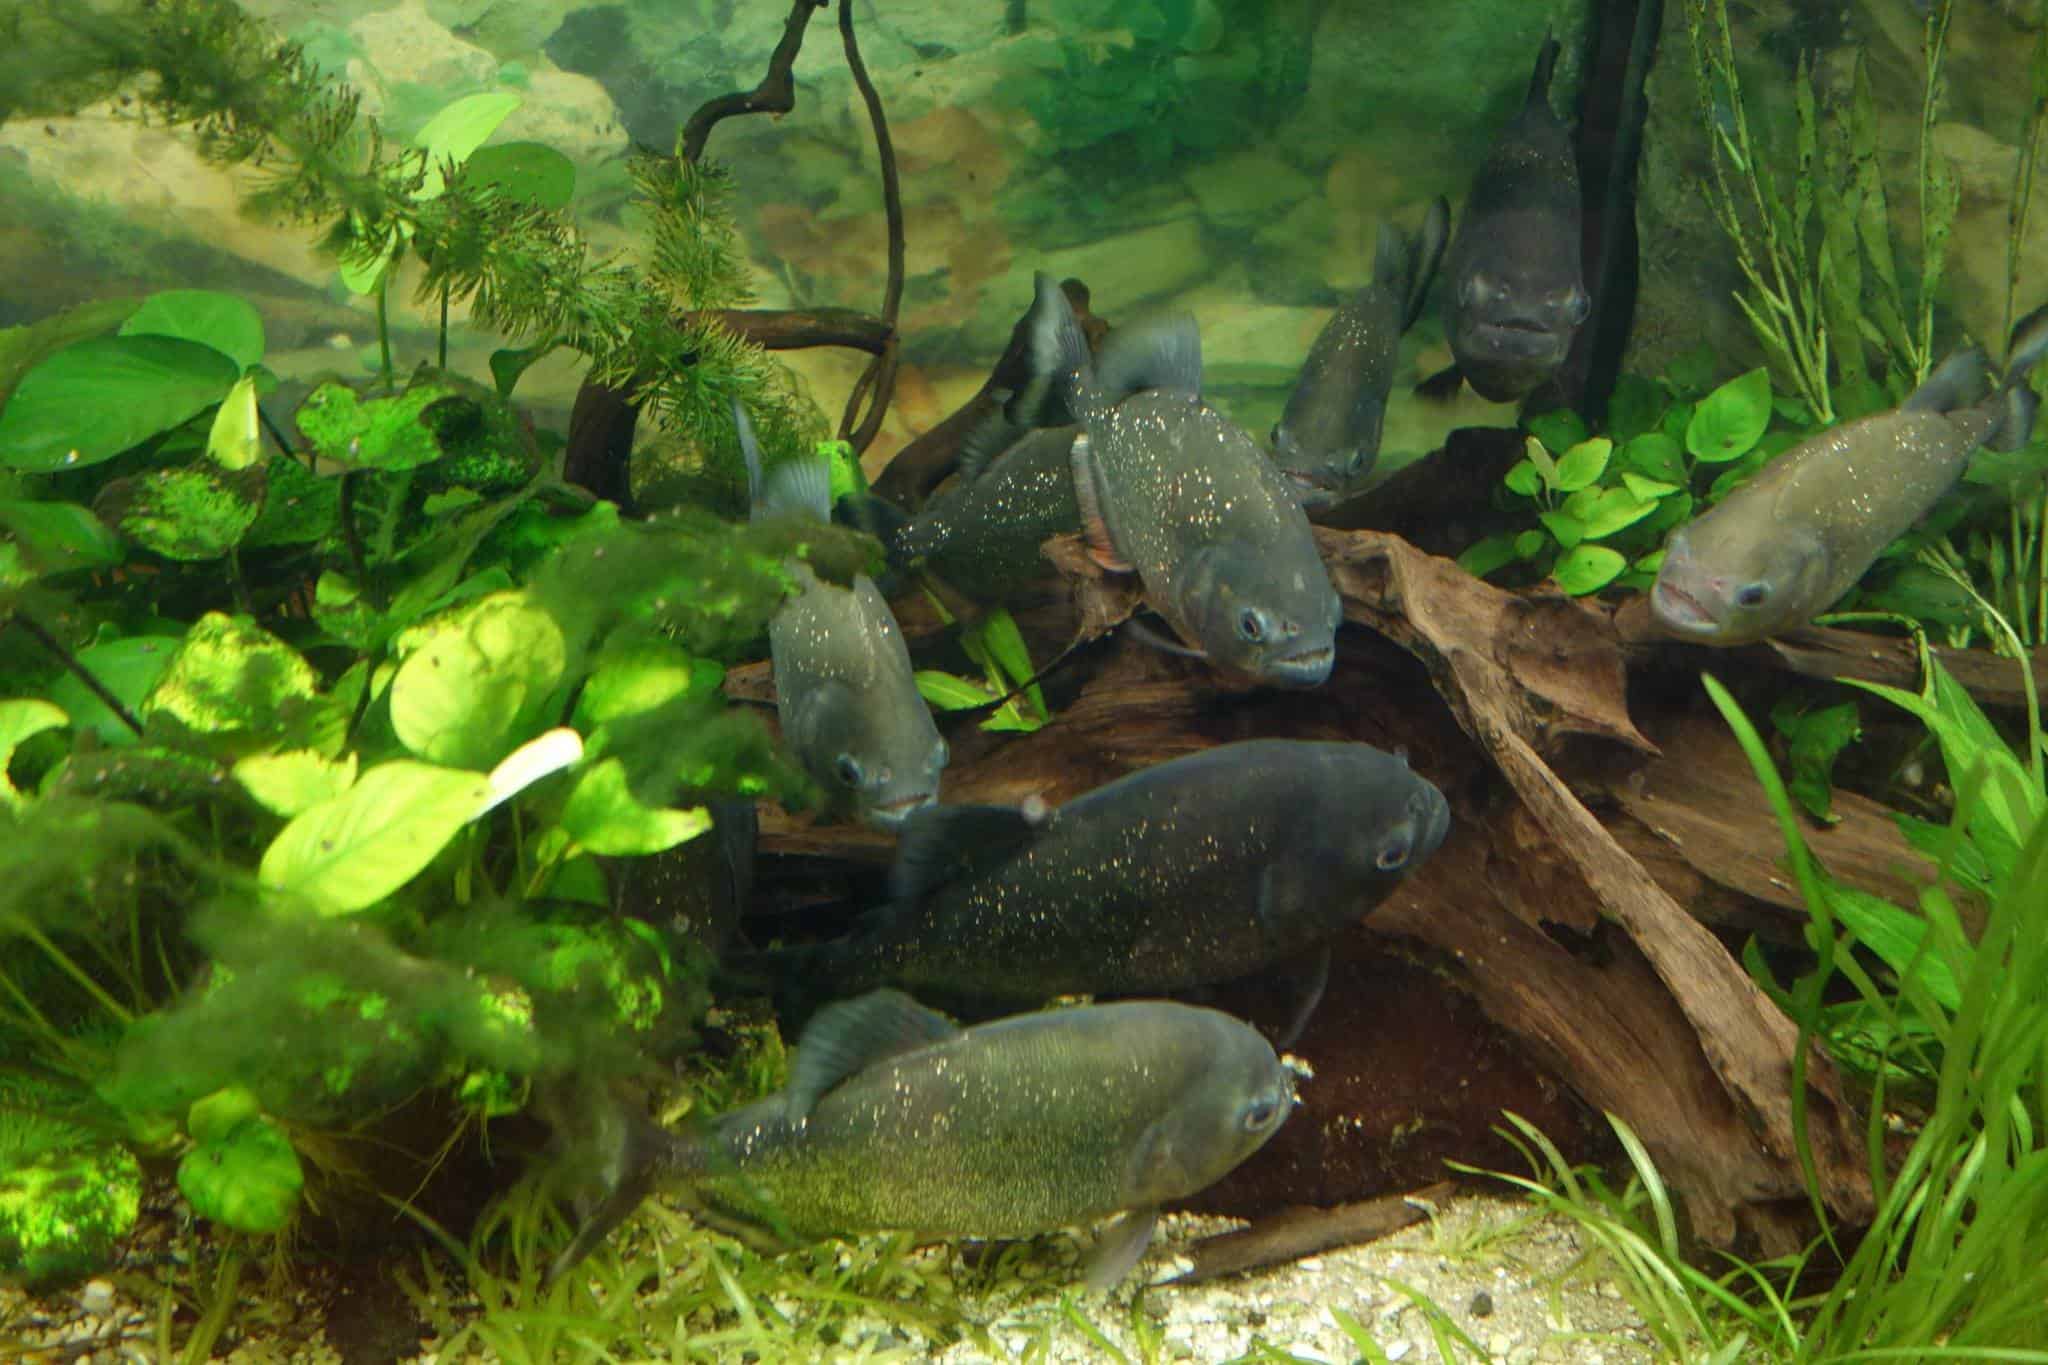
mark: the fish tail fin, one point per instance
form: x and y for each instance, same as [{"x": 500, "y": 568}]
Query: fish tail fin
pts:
[
  {"x": 1956, "y": 383},
  {"x": 624, "y": 1152},
  {"x": 1428, "y": 254},
  {"x": 2019, "y": 405},
  {"x": 750, "y": 451},
  {"x": 875, "y": 515},
  {"x": 2028, "y": 345},
  {"x": 1057, "y": 354},
  {"x": 800, "y": 487},
  {"x": 1163, "y": 353},
  {"x": 1546, "y": 65},
  {"x": 991, "y": 436}
]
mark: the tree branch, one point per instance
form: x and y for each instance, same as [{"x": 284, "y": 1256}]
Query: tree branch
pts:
[
  {"x": 776, "y": 94},
  {"x": 878, "y": 382}
]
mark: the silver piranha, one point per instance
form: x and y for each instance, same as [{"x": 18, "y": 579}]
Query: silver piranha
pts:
[
  {"x": 1329, "y": 435},
  {"x": 844, "y": 687},
  {"x": 1517, "y": 293},
  {"x": 1778, "y": 550},
  {"x": 1207, "y": 868},
  {"x": 1173, "y": 490},
  {"x": 894, "y": 1119}
]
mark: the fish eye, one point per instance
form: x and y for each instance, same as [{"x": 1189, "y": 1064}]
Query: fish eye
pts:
[
  {"x": 1752, "y": 594},
  {"x": 848, "y": 769},
  {"x": 1394, "y": 855},
  {"x": 1357, "y": 461},
  {"x": 1251, "y": 625},
  {"x": 1577, "y": 305},
  {"x": 1258, "y": 1114}
]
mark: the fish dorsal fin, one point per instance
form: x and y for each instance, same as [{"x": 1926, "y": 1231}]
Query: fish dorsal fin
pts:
[
  {"x": 852, "y": 1035},
  {"x": 992, "y": 436},
  {"x": 750, "y": 451},
  {"x": 1163, "y": 353},
  {"x": 1546, "y": 64},
  {"x": 801, "y": 487},
  {"x": 1087, "y": 493},
  {"x": 1429, "y": 253},
  {"x": 1056, "y": 356},
  {"x": 936, "y": 842}
]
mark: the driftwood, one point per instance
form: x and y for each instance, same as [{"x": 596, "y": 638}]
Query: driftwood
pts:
[
  {"x": 1294, "y": 1233},
  {"x": 1638, "y": 1006}
]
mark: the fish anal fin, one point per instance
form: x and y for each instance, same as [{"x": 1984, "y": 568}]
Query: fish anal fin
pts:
[
  {"x": 1120, "y": 1248},
  {"x": 1094, "y": 526},
  {"x": 851, "y": 1035}
]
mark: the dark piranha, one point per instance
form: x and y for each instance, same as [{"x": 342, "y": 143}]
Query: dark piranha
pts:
[
  {"x": 1329, "y": 435},
  {"x": 1778, "y": 550},
  {"x": 1516, "y": 292},
  {"x": 1171, "y": 489},
  {"x": 895, "y": 1119},
  {"x": 844, "y": 687},
  {"x": 1203, "y": 869}
]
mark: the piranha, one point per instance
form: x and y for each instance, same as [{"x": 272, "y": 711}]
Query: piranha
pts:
[
  {"x": 1329, "y": 435},
  {"x": 894, "y": 1119},
  {"x": 1171, "y": 489},
  {"x": 983, "y": 532},
  {"x": 844, "y": 688},
  {"x": 1202, "y": 869},
  {"x": 1517, "y": 294},
  {"x": 1778, "y": 550}
]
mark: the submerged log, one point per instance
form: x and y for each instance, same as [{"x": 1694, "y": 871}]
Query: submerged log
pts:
[{"x": 1542, "y": 913}]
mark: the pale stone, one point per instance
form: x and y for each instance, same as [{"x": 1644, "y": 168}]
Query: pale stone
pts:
[{"x": 1246, "y": 190}]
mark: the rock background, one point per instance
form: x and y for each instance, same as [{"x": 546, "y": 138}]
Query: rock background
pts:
[{"x": 1233, "y": 157}]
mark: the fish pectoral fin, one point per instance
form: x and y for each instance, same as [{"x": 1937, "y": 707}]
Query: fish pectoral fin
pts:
[
  {"x": 1442, "y": 386},
  {"x": 1428, "y": 254},
  {"x": 1145, "y": 635},
  {"x": 1309, "y": 976},
  {"x": 852, "y": 1035},
  {"x": 1088, "y": 494},
  {"x": 1120, "y": 1248},
  {"x": 937, "y": 842}
]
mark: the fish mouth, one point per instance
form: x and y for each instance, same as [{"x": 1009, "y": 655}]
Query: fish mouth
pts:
[
  {"x": 892, "y": 815},
  {"x": 1680, "y": 613},
  {"x": 1312, "y": 490},
  {"x": 1522, "y": 338},
  {"x": 1309, "y": 668}
]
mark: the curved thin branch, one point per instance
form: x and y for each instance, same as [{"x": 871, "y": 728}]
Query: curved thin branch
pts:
[
  {"x": 880, "y": 376},
  {"x": 77, "y": 669},
  {"x": 776, "y": 94}
]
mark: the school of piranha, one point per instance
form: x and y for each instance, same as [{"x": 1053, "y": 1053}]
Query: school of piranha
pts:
[{"x": 1244, "y": 859}]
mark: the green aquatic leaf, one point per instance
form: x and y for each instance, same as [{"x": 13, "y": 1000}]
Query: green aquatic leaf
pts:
[
  {"x": 1612, "y": 510},
  {"x": 383, "y": 433},
  {"x": 215, "y": 1117},
  {"x": 457, "y": 131},
  {"x": 1815, "y": 739},
  {"x": 638, "y": 675},
  {"x": 1649, "y": 490},
  {"x": 1546, "y": 467},
  {"x": 300, "y": 508},
  {"x": 1635, "y": 407},
  {"x": 1728, "y": 421},
  {"x": 1568, "y": 529},
  {"x": 91, "y": 401},
  {"x": 224, "y": 322},
  {"x": 193, "y": 512},
  {"x": 362, "y": 273},
  {"x": 848, "y": 478},
  {"x": 1653, "y": 455},
  {"x": 949, "y": 692},
  {"x": 508, "y": 364},
  {"x": 40, "y": 539},
  {"x": 1530, "y": 544},
  {"x": 1587, "y": 569},
  {"x": 475, "y": 679},
  {"x": 1896, "y": 937},
  {"x": 236, "y": 441},
  {"x": 296, "y": 780},
  {"x": 20, "y": 719},
  {"x": 24, "y": 348},
  {"x": 350, "y": 852},
  {"x": 230, "y": 674},
  {"x": 532, "y": 171},
  {"x": 1582, "y": 464},
  {"x": 603, "y": 816},
  {"x": 129, "y": 668},
  {"x": 1489, "y": 555},
  {"x": 248, "y": 1179},
  {"x": 1523, "y": 479},
  {"x": 996, "y": 634},
  {"x": 1560, "y": 429}
]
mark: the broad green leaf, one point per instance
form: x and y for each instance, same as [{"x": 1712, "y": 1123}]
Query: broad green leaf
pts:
[
  {"x": 1568, "y": 529},
  {"x": 248, "y": 1180},
  {"x": 1582, "y": 465},
  {"x": 507, "y": 365},
  {"x": 1634, "y": 407},
  {"x": 39, "y": 539},
  {"x": 949, "y": 692},
  {"x": 1613, "y": 510},
  {"x": 1648, "y": 490},
  {"x": 1559, "y": 429},
  {"x": 1656, "y": 456},
  {"x": 297, "y": 780},
  {"x": 91, "y": 401},
  {"x": 1729, "y": 420},
  {"x": 1530, "y": 544},
  {"x": 474, "y": 678},
  {"x": 214, "y": 1117},
  {"x": 383, "y": 433},
  {"x": 232, "y": 675},
  {"x": 127, "y": 668},
  {"x": 20, "y": 719},
  {"x": 222, "y": 321},
  {"x": 236, "y": 441},
  {"x": 848, "y": 479},
  {"x": 538, "y": 758},
  {"x": 300, "y": 508},
  {"x": 1546, "y": 468},
  {"x": 189, "y": 512},
  {"x": 1895, "y": 935},
  {"x": 997, "y": 633},
  {"x": 1483, "y": 557},
  {"x": 457, "y": 131},
  {"x": 1587, "y": 569},
  {"x": 348, "y": 853},
  {"x": 1815, "y": 740},
  {"x": 603, "y": 816},
  {"x": 639, "y": 675},
  {"x": 1523, "y": 479},
  {"x": 24, "y": 348},
  {"x": 531, "y": 171},
  {"x": 363, "y": 273}
]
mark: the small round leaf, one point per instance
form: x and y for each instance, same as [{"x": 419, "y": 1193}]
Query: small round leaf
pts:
[{"x": 1729, "y": 420}]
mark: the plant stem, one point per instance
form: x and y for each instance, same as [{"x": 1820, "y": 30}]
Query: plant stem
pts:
[
  {"x": 71, "y": 969},
  {"x": 384, "y": 332},
  {"x": 79, "y": 670},
  {"x": 441, "y": 350},
  {"x": 352, "y": 539}
]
